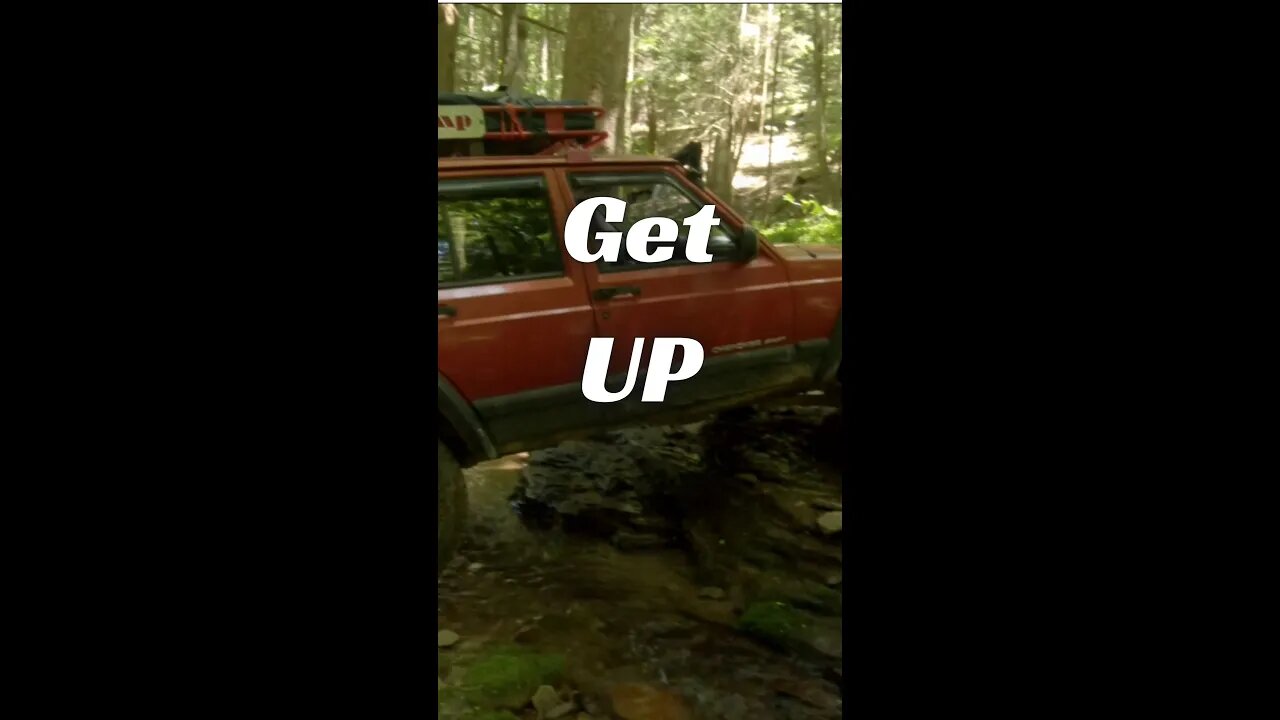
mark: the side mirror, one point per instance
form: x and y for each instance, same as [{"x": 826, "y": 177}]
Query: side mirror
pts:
[{"x": 748, "y": 244}]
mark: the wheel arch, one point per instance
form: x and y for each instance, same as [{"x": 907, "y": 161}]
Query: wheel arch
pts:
[
  {"x": 832, "y": 363},
  {"x": 459, "y": 427}
]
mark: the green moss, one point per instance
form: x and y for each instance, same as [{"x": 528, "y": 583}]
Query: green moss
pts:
[
  {"x": 775, "y": 622},
  {"x": 507, "y": 678},
  {"x": 491, "y": 715}
]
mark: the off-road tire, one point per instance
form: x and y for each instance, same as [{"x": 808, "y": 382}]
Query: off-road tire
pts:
[{"x": 451, "y": 506}]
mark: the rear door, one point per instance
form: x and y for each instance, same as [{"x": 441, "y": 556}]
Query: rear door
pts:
[
  {"x": 741, "y": 313},
  {"x": 513, "y": 317}
]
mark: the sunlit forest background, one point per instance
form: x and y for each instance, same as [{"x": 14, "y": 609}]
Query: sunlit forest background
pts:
[{"x": 759, "y": 85}]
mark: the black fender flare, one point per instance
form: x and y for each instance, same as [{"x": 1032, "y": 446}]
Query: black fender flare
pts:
[
  {"x": 835, "y": 351},
  {"x": 464, "y": 422}
]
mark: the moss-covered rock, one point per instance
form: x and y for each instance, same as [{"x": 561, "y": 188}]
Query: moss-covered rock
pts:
[
  {"x": 508, "y": 677},
  {"x": 775, "y": 622},
  {"x": 798, "y": 592}
]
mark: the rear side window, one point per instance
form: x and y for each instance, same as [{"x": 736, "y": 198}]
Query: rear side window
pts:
[
  {"x": 495, "y": 230},
  {"x": 649, "y": 195}
]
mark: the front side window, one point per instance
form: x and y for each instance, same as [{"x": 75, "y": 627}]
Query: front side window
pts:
[
  {"x": 647, "y": 196},
  {"x": 495, "y": 230}
]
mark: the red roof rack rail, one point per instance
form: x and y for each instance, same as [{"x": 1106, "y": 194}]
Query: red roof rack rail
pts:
[{"x": 515, "y": 129}]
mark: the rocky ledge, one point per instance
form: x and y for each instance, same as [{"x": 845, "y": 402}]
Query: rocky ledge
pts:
[{"x": 754, "y": 496}]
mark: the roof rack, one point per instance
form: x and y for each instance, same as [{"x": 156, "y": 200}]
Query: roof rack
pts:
[{"x": 517, "y": 128}]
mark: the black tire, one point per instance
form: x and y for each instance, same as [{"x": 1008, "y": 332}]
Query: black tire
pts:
[{"x": 451, "y": 506}]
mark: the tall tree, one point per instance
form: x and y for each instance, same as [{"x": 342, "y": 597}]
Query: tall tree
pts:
[
  {"x": 769, "y": 41},
  {"x": 512, "y": 42},
  {"x": 447, "y": 47},
  {"x": 820, "y": 100},
  {"x": 594, "y": 70},
  {"x": 623, "y": 126}
]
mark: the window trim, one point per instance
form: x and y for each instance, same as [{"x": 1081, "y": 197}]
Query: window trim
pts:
[{"x": 506, "y": 182}]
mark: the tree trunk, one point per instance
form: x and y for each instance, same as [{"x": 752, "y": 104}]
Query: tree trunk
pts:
[
  {"x": 467, "y": 66},
  {"x": 820, "y": 98},
  {"x": 768, "y": 171},
  {"x": 544, "y": 86},
  {"x": 481, "y": 75},
  {"x": 512, "y": 41},
  {"x": 840, "y": 48},
  {"x": 768, "y": 38},
  {"x": 447, "y": 48},
  {"x": 737, "y": 80},
  {"x": 556, "y": 85},
  {"x": 651, "y": 107},
  {"x": 622, "y": 142},
  {"x": 594, "y": 68}
]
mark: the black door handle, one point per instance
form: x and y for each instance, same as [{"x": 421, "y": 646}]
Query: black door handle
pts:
[
  {"x": 448, "y": 310},
  {"x": 612, "y": 292}
]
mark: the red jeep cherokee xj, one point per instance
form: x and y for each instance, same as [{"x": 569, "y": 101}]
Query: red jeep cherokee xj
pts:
[{"x": 515, "y": 313}]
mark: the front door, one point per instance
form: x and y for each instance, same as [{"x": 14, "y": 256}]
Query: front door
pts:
[{"x": 741, "y": 313}]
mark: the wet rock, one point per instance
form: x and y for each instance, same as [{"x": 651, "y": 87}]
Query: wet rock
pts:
[
  {"x": 815, "y": 638},
  {"x": 713, "y": 593},
  {"x": 638, "y": 701},
  {"x": 827, "y": 640},
  {"x": 831, "y": 523},
  {"x": 592, "y": 706},
  {"x": 446, "y": 638},
  {"x": 732, "y": 707},
  {"x": 621, "y": 481},
  {"x": 561, "y": 710},
  {"x": 794, "y": 590},
  {"x": 810, "y": 692},
  {"x": 624, "y": 540},
  {"x": 715, "y": 612},
  {"x": 528, "y": 635},
  {"x": 545, "y": 698},
  {"x": 669, "y": 627},
  {"x": 738, "y": 530},
  {"x": 450, "y": 704},
  {"x": 835, "y": 675},
  {"x": 747, "y": 496}
]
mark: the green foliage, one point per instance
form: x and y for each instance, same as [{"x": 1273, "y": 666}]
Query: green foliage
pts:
[
  {"x": 699, "y": 72},
  {"x": 813, "y": 223}
]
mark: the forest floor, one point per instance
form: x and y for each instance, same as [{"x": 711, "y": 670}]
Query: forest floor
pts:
[
  {"x": 653, "y": 574},
  {"x": 762, "y": 175}
]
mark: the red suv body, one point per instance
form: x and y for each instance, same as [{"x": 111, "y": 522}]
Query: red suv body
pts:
[{"x": 516, "y": 313}]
